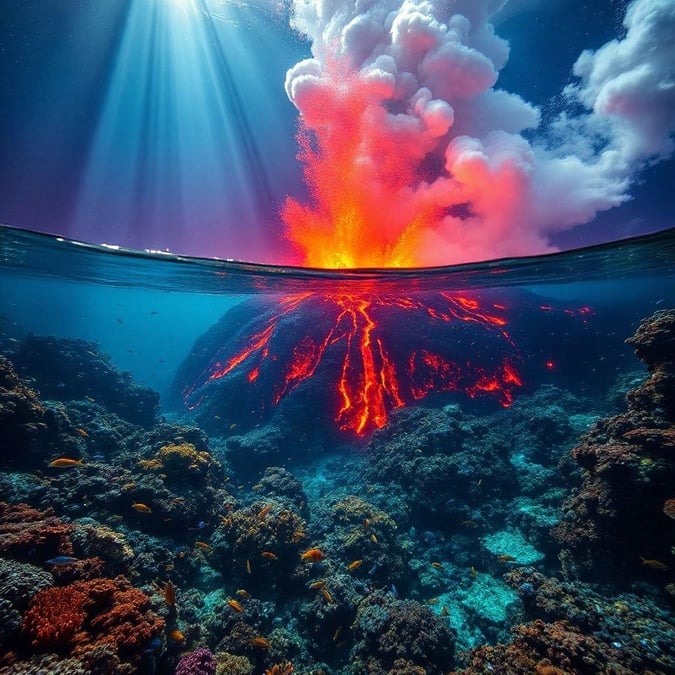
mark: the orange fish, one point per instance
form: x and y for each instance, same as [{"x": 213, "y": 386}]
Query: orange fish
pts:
[
  {"x": 261, "y": 642},
  {"x": 65, "y": 463},
  {"x": 506, "y": 558},
  {"x": 82, "y": 432},
  {"x": 204, "y": 546},
  {"x": 235, "y": 605},
  {"x": 437, "y": 565},
  {"x": 354, "y": 565},
  {"x": 313, "y": 555},
  {"x": 269, "y": 555},
  {"x": 327, "y": 596},
  {"x": 170, "y": 594},
  {"x": 141, "y": 508},
  {"x": 317, "y": 584},
  {"x": 177, "y": 635},
  {"x": 655, "y": 564},
  {"x": 264, "y": 511}
]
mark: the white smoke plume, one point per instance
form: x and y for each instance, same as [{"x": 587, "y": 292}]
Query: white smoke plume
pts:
[{"x": 411, "y": 90}]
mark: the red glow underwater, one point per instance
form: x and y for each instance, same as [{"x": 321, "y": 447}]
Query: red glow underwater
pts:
[{"x": 367, "y": 355}]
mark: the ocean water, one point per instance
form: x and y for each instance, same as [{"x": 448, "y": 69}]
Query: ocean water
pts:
[{"x": 370, "y": 471}]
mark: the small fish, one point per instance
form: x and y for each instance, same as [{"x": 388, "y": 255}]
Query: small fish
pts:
[
  {"x": 177, "y": 635},
  {"x": 154, "y": 312},
  {"x": 261, "y": 642},
  {"x": 354, "y": 565},
  {"x": 65, "y": 463},
  {"x": 327, "y": 596},
  {"x": 505, "y": 558},
  {"x": 445, "y": 611},
  {"x": 269, "y": 555},
  {"x": 317, "y": 584},
  {"x": 248, "y": 566},
  {"x": 373, "y": 538},
  {"x": 170, "y": 594},
  {"x": 201, "y": 525},
  {"x": 62, "y": 560},
  {"x": 264, "y": 511},
  {"x": 366, "y": 523},
  {"x": 313, "y": 555},
  {"x": 469, "y": 523},
  {"x": 437, "y": 565},
  {"x": 473, "y": 572},
  {"x": 655, "y": 564},
  {"x": 141, "y": 508},
  {"x": 233, "y": 427},
  {"x": 394, "y": 591},
  {"x": 203, "y": 546},
  {"x": 82, "y": 432},
  {"x": 433, "y": 601},
  {"x": 99, "y": 458},
  {"x": 243, "y": 593},
  {"x": 235, "y": 605},
  {"x": 91, "y": 399},
  {"x": 337, "y": 634}
]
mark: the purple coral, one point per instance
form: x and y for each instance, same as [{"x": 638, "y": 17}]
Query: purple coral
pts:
[{"x": 199, "y": 662}]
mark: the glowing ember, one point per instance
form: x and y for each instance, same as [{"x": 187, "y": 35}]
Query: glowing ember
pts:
[{"x": 373, "y": 353}]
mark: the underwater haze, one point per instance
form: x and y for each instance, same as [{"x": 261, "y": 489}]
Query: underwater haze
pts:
[
  {"x": 224, "y": 467},
  {"x": 337, "y": 338}
]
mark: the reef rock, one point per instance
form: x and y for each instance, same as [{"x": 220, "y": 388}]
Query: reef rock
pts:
[{"x": 616, "y": 523}]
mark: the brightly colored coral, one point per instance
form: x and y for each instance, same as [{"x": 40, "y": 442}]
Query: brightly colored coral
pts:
[
  {"x": 199, "y": 662},
  {"x": 55, "y": 616}
]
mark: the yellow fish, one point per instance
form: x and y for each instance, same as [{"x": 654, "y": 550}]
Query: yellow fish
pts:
[
  {"x": 354, "y": 565},
  {"x": 141, "y": 508},
  {"x": 65, "y": 463}
]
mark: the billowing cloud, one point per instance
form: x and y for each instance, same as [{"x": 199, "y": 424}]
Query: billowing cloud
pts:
[{"x": 414, "y": 156}]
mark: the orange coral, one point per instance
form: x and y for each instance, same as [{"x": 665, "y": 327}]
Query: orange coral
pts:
[
  {"x": 55, "y": 615},
  {"x": 89, "y": 615},
  {"x": 284, "y": 668}
]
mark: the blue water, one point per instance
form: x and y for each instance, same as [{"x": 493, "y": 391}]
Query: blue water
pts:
[{"x": 419, "y": 521}]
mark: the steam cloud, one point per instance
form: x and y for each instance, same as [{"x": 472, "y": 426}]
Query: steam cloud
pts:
[{"x": 401, "y": 101}]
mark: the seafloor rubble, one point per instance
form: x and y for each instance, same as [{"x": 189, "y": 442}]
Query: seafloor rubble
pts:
[{"x": 536, "y": 539}]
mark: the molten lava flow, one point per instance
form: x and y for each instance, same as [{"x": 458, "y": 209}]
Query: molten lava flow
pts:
[{"x": 360, "y": 346}]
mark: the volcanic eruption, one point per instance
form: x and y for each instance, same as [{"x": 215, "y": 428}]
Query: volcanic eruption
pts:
[{"x": 411, "y": 158}]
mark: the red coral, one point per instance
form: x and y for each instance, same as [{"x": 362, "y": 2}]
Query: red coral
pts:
[
  {"x": 122, "y": 615},
  {"x": 107, "y": 616},
  {"x": 55, "y": 615},
  {"x": 24, "y": 529}
]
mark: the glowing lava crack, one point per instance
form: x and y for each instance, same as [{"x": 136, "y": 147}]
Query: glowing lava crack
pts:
[{"x": 353, "y": 357}]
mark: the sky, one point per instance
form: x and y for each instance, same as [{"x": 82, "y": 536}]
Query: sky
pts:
[{"x": 435, "y": 137}]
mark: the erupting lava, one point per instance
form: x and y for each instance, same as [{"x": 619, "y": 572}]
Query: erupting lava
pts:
[{"x": 374, "y": 353}]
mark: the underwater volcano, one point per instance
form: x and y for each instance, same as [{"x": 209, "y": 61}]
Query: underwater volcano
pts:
[{"x": 347, "y": 360}]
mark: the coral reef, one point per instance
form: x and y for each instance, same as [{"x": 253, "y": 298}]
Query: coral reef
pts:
[
  {"x": 576, "y": 629},
  {"x": 66, "y": 370},
  {"x": 614, "y": 523},
  {"x": 388, "y": 632},
  {"x": 199, "y": 662}
]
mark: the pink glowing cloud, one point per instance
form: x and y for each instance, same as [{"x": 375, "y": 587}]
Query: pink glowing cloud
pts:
[{"x": 417, "y": 158}]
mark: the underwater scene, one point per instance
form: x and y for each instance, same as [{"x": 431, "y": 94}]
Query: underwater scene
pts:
[
  {"x": 213, "y": 467},
  {"x": 337, "y": 337}
]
